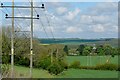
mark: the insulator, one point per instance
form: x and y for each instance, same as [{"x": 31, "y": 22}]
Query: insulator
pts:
[
  {"x": 6, "y": 15},
  {"x": 42, "y": 5},
  {"x": 1, "y": 4},
  {"x": 37, "y": 15}
]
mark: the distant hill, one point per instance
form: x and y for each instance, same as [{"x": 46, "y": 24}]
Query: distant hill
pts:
[{"x": 77, "y": 41}]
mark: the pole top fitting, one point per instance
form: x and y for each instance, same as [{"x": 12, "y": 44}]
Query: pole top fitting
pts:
[
  {"x": 6, "y": 15},
  {"x": 1, "y": 4},
  {"x": 37, "y": 15},
  {"x": 43, "y": 6}
]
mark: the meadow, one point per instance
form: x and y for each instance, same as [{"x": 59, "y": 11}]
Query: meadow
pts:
[
  {"x": 70, "y": 73},
  {"x": 91, "y": 60},
  {"x": 22, "y": 72}
]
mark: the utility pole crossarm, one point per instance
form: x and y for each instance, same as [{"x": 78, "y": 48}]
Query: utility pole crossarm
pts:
[
  {"x": 22, "y": 17},
  {"x": 20, "y": 6}
]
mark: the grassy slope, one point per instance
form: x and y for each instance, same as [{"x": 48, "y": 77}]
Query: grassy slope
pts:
[
  {"x": 77, "y": 73},
  {"x": 70, "y": 73},
  {"x": 37, "y": 73},
  {"x": 94, "y": 59}
]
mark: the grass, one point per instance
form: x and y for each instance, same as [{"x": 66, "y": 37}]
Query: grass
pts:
[
  {"x": 70, "y": 73},
  {"x": 37, "y": 73},
  {"x": 84, "y": 60},
  {"x": 77, "y": 73},
  {"x": 22, "y": 72}
]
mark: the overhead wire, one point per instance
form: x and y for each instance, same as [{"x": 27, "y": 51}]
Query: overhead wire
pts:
[
  {"x": 40, "y": 22},
  {"x": 49, "y": 24},
  {"x": 15, "y": 19}
]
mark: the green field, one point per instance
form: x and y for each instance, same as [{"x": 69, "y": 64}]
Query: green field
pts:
[
  {"x": 70, "y": 73},
  {"x": 91, "y": 61},
  {"x": 23, "y": 72}
]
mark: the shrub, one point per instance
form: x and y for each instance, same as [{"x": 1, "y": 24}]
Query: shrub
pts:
[
  {"x": 4, "y": 68},
  {"x": 55, "y": 68},
  {"x": 75, "y": 64},
  {"x": 63, "y": 65},
  {"x": 106, "y": 66},
  {"x": 119, "y": 68},
  {"x": 19, "y": 60},
  {"x": 44, "y": 63}
]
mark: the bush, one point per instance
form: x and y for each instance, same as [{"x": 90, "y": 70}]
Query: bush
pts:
[
  {"x": 106, "y": 66},
  {"x": 4, "y": 68},
  {"x": 63, "y": 65},
  {"x": 75, "y": 64},
  {"x": 118, "y": 68},
  {"x": 19, "y": 60},
  {"x": 43, "y": 63},
  {"x": 55, "y": 68}
]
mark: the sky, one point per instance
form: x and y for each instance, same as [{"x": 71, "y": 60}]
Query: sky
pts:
[{"x": 81, "y": 19}]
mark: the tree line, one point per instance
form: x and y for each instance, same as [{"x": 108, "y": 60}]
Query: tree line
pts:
[{"x": 85, "y": 50}]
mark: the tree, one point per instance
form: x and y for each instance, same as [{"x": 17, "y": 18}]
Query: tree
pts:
[
  {"x": 80, "y": 49},
  {"x": 100, "y": 50},
  {"x": 107, "y": 49},
  {"x": 65, "y": 49},
  {"x": 6, "y": 45},
  {"x": 87, "y": 50}
]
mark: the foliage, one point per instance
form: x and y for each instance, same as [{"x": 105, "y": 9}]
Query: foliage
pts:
[
  {"x": 80, "y": 49},
  {"x": 87, "y": 50},
  {"x": 55, "y": 68},
  {"x": 63, "y": 64},
  {"x": 75, "y": 64},
  {"x": 107, "y": 49},
  {"x": 43, "y": 63},
  {"x": 100, "y": 50},
  {"x": 4, "y": 68},
  {"x": 65, "y": 49},
  {"x": 19, "y": 60},
  {"x": 106, "y": 66}
]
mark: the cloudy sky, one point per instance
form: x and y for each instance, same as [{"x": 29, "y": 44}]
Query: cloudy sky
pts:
[{"x": 70, "y": 19}]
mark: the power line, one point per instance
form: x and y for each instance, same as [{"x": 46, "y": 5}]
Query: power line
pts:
[
  {"x": 15, "y": 19},
  {"x": 49, "y": 24},
  {"x": 21, "y": 15},
  {"x": 40, "y": 22}
]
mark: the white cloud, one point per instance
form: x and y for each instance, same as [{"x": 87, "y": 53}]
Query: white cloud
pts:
[
  {"x": 73, "y": 30},
  {"x": 72, "y": 14},
  {"x": 115, "y": 28},
  {"x": 98, "y": 28},
  {"x": 50, "y": 29},
  {"x": 101, "y": 19},
  {"x": 61, "y": 10},
  {"x": 86, "y": 19}
]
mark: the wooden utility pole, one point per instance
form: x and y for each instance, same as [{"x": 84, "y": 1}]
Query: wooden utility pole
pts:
[
  {"x": 12, "y": 35},
  {"x": 31, "y": 40},
  {"x": 12, "y": 42}
]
